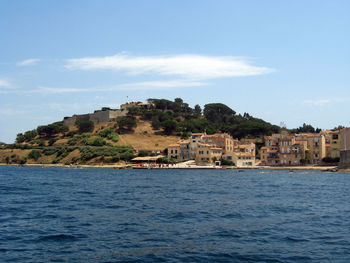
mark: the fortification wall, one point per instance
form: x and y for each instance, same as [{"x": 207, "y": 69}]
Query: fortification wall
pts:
[{"x": 100, "y": 116}]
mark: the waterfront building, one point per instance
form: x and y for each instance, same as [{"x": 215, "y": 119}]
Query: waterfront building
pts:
[{"x": 208, "y": 154}]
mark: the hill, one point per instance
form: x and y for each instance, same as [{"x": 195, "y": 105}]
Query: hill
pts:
[{"x": 139, "y": 130}]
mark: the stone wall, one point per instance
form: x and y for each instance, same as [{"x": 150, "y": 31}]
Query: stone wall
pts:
[{"x": 99, "y": 116}]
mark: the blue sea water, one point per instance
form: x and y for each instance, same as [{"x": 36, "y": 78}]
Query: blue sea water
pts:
[{"x": 103, "y": 215}]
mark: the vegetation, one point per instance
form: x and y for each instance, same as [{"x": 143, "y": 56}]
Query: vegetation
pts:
[
  {"x": 127, "y": 124},
  {"x": 84, "y": 126},
  {"x": 96, "y": 141},
  {"x": 52, "y": 129},
  {"x": 110, "y": 134},
  {"x": 306, "y": 128},
  {"x": 34, "y": 154},
  {"x": 116, "y": 152}
]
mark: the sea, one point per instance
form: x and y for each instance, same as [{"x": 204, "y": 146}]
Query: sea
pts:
[{"x": 107, "y": 215}]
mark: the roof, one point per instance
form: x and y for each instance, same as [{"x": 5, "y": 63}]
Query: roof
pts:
[
  {"x": 216, "y": 149},
  {"x": 148, "y": 158},
  {"x": 174, "y": 145}
]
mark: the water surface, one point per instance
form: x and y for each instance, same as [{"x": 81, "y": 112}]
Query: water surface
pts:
[{"x": 103, "y": 215}]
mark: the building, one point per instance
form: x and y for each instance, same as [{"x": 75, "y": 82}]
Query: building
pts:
[
  {"x": 132, "y": 103},
  {"x": 221, "y": 140},
  {"x": 207, "y": 154},
  {"x": 174, "y": 151},
  {"x": 344, "y": 162},
  {"x": 243, "y": 155},
  {"x": 195, "y": 139},
  {"x": 332, "y": 138},
  {"x": 316, "y": 146}
]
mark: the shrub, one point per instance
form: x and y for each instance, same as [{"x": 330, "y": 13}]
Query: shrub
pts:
[
  {"x": 96, "y": 141},
  {"x": 71, "y": 133},
  {"x": 127, "y": 124},
  {"x": 34, "y": 154},
  {"x": 52, "y": 141},
  {"x": 116, "y": 152},
  {"x": 51, "y": 129},
  {"x": 23, "y": 160},
  {"x": 49, "y": 151},
  {"x": 86, "y": 135},
  {"x": 73, "y": 141},
  {"x": 85, "y": 126},
  {"x": 110, "y": 134}
]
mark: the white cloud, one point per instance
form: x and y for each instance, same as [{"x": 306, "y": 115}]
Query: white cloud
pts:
[
  {"x": 28, "y": 62},
  {"x": 147, "y": 85},
  {"x": 11, "y": 112},
  {"x": 318, "y": 102},
  {"x": 187, "y": 65},
  {"x": 5, "y": 84}
]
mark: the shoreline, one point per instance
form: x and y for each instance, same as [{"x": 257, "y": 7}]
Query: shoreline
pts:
[{"x": 186, "y": 167}]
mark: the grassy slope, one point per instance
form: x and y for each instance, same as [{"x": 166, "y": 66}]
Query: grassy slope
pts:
[{"x": 143, "y": 138}]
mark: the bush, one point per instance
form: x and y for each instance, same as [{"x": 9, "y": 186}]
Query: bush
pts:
[
  {"x": 85, "y": 126},
  {"x": 96, "y": 141},
  {"x": 49, "y": 151},
  {"x": 34, "y": 154},
  {"x": 51, "y": 129},
  {"x": 23, "y": 160},
  {"x": 73, "y": 141},
  {"x": 116, "y": 152},
  {"x": 52, "y": 141},
  {"x": 127, "y": 124},
  {"x": 71, "y": 133}
]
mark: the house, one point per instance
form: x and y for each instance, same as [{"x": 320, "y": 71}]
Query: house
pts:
[
  {"x": 344, "y": 162},
  {"x": 332, "y": 138},
  {"x": 208, "y": 154},
  {"x": 174, "y": 151},
  {"x": 221, "y": 140},
  {"x": 316, "y": 146}
]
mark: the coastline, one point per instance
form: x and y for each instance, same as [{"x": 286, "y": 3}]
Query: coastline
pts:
[{"x": 188, "y": 167}]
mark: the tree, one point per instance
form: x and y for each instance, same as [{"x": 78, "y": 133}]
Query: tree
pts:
[
  {"x": 169, "y": 126},
  {"x": 52, "y": 129},
  {"x": 215, "y": 112},
  {"x": 34, "y": 154},
  {"x": 84, "y": 126},
  {"x": 197, "y": 110},
  {"x": 127, "y": 124}
]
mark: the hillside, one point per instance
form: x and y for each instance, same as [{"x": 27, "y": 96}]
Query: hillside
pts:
[{"x": 138, "y": 130}]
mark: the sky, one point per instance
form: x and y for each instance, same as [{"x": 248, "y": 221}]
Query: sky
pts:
[{"x": 282, "y": 61}]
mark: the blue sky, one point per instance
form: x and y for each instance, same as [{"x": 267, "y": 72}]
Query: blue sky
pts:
[{"x": 283, "y": 61}]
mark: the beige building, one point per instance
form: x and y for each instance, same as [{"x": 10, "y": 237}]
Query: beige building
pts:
[
  {"x": 316, "y": 146},
  {"x": 221, "y": 140},
  {"x": 174, "y": 151},
  {"x": 332, "y": 138},
  {"x": 207, "y": 154}
]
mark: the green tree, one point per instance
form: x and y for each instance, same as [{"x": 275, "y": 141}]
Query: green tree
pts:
[
  {"x": 197, "y": 110},
  {"x": 84, "y": 126},
  {"x": 34, "y": 154},
  {"x": 127, "y": 124},
  {"x": 169, "y": 126}
]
